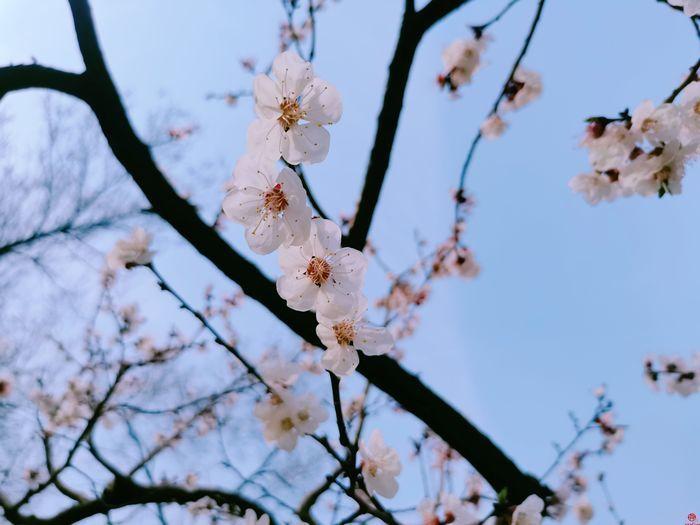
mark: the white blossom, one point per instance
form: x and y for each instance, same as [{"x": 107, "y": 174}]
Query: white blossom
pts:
[
  {"x": 271, "y": 205},
  {"x": 344, "y": 335},
  {"x": 285, "y": 417},
  {"x": 292, "y": 111},
  {"x": 529, "y": 512},
  {"x": 526, "y": 87},
  {"x": 380, "y": 466},
  {"x": 612, "y": 148},
  {"x": 595, "y": 187},
  {"x": 320, "y": 275},
  {"x": 132, "y": 251},
  {"x": 583, "y": 510},
  {"x": 251, "y": 518},
  {"x": 279, "y": 373},
  {"x": 493, "y": 127},
  {"x": 657, "y": 172},
  {"x": 690, "y": 7},
  {"x": 657, "y": 125},
  {"x": 456, "y": 511},
  {"x": 461, "y": 59},
  {"x": 689, "y": 108}
]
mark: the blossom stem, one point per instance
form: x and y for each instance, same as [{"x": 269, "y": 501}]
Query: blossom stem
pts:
[{"x": 218, "y": 338}]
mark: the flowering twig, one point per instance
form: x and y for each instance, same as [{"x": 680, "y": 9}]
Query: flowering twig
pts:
[
  {"x": 218, "y": 338},
  {"x": 609, "y": 500},
  {"x": 477, "y": 138}
]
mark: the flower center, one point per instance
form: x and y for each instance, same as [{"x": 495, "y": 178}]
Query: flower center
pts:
[
  {"x": 287, "y": 424},
  {"x": 275, "y": 199},
  {"x": 291, "y": 113},
  {"x": 344, "y": 333},
  {"x": 696, "y": 108},
  {"x": 663, "y": 174},
  {"x": 303, "y": 415},
  {"x": 648, "y": 124},
  {"x": 318, "y": 270}
]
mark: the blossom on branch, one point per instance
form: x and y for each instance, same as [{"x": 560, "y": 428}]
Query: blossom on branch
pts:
[
  {"x": 132, "y": 251},
  {"x": 286, "y": 417},
  {"x": 320, "y": 275},
  {"x": 271, "y": 205},
  {"x": 523, "y": 88},
  {"x": 461, "y": 59},
  {"x": 344, "y": 335},
  {"x": 380, "y": 466},
  {"x": 292, "y": 112}
]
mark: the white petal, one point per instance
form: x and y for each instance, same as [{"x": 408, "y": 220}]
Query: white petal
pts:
[
  {"x": 292, "y": 260},
  {"x": 342, "y": 361},
  {"x": 349, "y": 267},
  {"x": 326, "y": 335},
  {"x": 323, "y": 105},
  {"x": 307, "y": 143},
  {"x": 256, "y": 171},
  {"x": 299, "y": 292},
  {"x": 268, "y": 97},
  {"x": 332, "y": 301},
  {"x": 243, "y": 206},
  {"x": 267, "y": 234},
  {"x": 324, "y": 238},
  {"x": 297, "y": 216},
  {"x": 373, "y": 340},
  {"x": 265, "y": 138},
  {"x": 293, "y": 73}
]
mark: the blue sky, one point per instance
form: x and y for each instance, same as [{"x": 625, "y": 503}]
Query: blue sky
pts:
[{"x": 569, "y": 296}]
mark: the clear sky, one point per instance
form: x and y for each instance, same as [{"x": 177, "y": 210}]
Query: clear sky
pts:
[{"x": 569, "y": 296}]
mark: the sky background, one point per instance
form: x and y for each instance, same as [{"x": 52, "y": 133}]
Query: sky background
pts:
[{"x": 570, "y": 296}]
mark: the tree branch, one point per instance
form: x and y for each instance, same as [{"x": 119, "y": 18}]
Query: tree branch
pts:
[
  {"x": 413, "y": 27},
  {"x": 407, "y": 389},
  {"x": 123, "y": 492}
]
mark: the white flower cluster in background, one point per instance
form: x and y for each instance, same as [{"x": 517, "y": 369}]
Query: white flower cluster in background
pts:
[
  {"x": 461, "y": 59},
  {"x": 132, "y": 251},
  {"x": 643, "y": 154},
  {"x": 524, "y": 87},
  {"x": 675, "y": 374}
]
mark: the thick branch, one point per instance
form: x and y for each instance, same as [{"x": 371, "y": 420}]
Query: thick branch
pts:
[
  {"x": 413, "y": 27},
  {"x": 13, "y": 78},
  {"x": 123, "y": 492}
]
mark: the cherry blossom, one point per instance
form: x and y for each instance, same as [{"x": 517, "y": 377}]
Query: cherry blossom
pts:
[
  {"x": 271, "y": 205},
  {"x": 493, "y": 127},
  {"x": 344, "y": 335},
  {"x": 461, "y": 59},
  {"x": 525, "y": 86},
  {"x": 529, "y": 512},
  {"x": 286, "y": 417},
  {"x": 380, "y": 466},
  {"x": 320, "y": 275},
  {"x": 689, "y": 108},
  {"x": 279, "y": 373},
  {"x": 659, "y": 171},
  {"x": 690, "y": 7},
  {"x": 595, "y": 187},
  {"x": 292, "y": 111},
  {"x": 132, "y": 251},
  {"x": 657, "y": 125},
  {"x": 583, "y": 510}
]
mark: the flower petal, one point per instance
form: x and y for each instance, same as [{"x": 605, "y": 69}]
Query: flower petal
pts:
[
  {"x": 293, "y": 73},
  {"x": 306, "y": 143},
  {"x": 373, "y": 340},
  {"x": 268, "y": 97},
  {"x": 323, "y": 105}
]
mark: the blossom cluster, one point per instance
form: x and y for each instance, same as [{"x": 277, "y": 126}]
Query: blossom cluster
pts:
[
  {"x": 677, "y": 375},
  {"x": 462, "y": 59},
  {"x": 318, "y": 273},
  {"x": 645, "y": 153}
]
